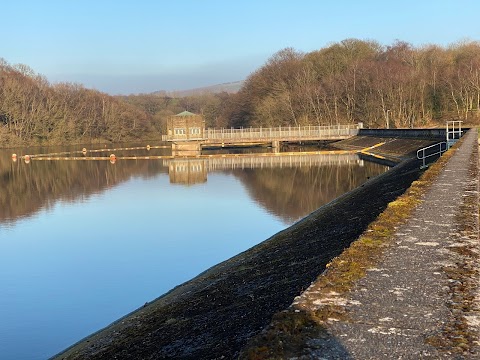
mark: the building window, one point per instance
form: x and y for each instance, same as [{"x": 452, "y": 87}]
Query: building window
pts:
[
  {"x": 179, "y": 131},
  {"x": 195, "y": 131}
]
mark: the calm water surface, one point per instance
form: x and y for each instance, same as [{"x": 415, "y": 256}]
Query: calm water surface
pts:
[{"x": 82, "y": 243}]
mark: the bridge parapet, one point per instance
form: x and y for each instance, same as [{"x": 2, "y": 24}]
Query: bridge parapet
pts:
[{"x": 281, "y": 133}]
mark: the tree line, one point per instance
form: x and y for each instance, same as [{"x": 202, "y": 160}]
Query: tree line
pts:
[
  {"x": 351, "y": 81},
  {"x": 32, "y": 111},
  {"x": 347, "y": 82},
  {"x": 362, "y": 81}
]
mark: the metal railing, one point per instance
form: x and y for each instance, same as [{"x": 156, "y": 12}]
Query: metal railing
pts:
[
  {"x": 285, "y": 132},
  {"x": 454, "y": 131},
  {"x": 423, "y": 154},
  {"x": 276, "y": 133}
]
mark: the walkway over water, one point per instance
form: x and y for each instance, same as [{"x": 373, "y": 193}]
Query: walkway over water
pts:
[
  {"x": 290, "y": 133},
  {"x": 244, "y": 136}
]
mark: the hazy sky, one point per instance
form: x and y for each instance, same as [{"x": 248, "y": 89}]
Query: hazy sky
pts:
[{"x": 136, "y": 46}]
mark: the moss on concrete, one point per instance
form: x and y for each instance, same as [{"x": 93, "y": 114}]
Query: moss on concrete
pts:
[{"x": 310, "y": 313}]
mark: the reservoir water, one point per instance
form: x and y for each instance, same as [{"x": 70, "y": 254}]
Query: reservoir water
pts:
[{"x": 83, "y": 243}]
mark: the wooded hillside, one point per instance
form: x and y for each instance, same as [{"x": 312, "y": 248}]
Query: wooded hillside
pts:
[
  {"x": 34, "y": 112},
  {"x": 347, "y": 82},
  {"x": 362, "y": 81}
]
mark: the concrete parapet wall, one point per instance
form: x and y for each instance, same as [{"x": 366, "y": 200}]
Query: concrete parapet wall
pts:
[
  {"x": 404, "y": 133},
  {"x": 186, "y": 146}
]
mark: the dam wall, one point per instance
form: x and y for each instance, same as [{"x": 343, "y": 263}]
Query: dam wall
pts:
[
  {"x": 405, "y": 133},
  {"x": 215, "y": 314}
]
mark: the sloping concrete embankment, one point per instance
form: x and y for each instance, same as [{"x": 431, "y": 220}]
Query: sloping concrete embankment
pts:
[
  {"x": 419, "y": 297},
  {"x": 215, "y": 314}
]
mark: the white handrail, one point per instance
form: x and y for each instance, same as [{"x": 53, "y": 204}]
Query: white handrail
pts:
[
  {"x": 454, "y": 131},
  {"x": 281, "y": 132},
  {"x": 421, "y": 155}
]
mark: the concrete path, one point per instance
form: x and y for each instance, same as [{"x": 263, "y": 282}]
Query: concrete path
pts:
[{"x": 422, "y": 301}]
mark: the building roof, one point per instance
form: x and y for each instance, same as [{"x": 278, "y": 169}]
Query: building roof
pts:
[{"x": 186, "y": 113}]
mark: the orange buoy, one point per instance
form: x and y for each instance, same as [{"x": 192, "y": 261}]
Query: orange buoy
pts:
[
  {"x": 14, "y": 157},
  {"x": 27, "y": 159},
  {"x": 113, "y": 158},
  {"x": 148, "y": 147}
]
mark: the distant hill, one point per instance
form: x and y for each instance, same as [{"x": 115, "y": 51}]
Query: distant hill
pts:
[{"x": 231, "y": 87}]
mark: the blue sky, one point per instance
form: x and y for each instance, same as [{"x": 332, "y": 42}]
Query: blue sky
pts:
[{"x": 124, "y": 47}]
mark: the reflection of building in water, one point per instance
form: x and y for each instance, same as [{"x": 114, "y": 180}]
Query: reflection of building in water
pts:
[
  {"x": 192, "y": 171},
  {"x": 187, "y": 171}
]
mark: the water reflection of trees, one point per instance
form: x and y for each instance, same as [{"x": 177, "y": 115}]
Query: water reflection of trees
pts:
[
  {"x": 27, "y": 188},
  {"x": 292, "y": 193},
  {"x": 288, "y": 192}
]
